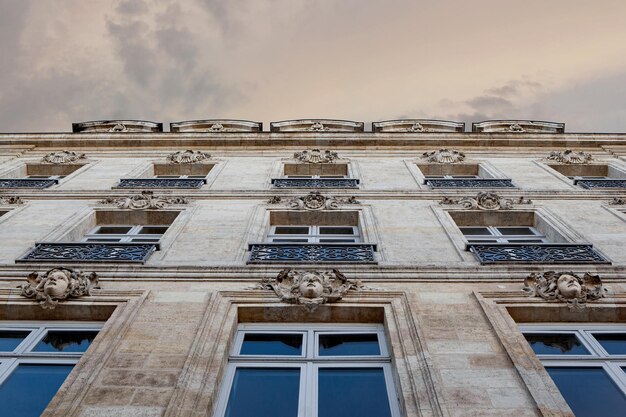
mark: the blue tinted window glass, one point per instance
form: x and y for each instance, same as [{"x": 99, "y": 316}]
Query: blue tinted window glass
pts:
[
  {"x": 263, "y": 392},
  {"x": 352, "y": 392},
  {"x": 66, "y": 341},
  {"x": 578, "y": 385},
  {"x": 30, "y": 388},
  {"x": 271, "y": 344},
  {"x": 9, "y": 339},
  {"x": 556, "y": 344},
  {"x": 613, "y": 343},
  {"x": 349, "y": 344}
]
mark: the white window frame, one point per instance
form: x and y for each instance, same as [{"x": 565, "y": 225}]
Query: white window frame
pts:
[
  {"x": 315, "y": 176},
  {"x": 46, "y": 177},
  {"x": 452, "y": 177},
  {"x": 597, "y": 357},
  {"x": 197, "y": 177},
  {"x": 132, "y": 235},
  {"x": 500, "y": 238},
  {"x": 314, "y": 235},
  {"x": 310, "y": 362}
]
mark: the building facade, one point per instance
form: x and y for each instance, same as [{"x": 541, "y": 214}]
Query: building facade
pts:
[{"x": 313, "y": 269}]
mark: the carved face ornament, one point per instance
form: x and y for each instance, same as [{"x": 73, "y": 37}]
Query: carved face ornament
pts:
[
  {"x": 58, "y": 284},
  {"x": 311, "y": 286},
  {"x": 569, "y": 287},
  {"x": 569, "y": 156},
  {"x": 62, "y": 157},
  {"x": 444, "y": 156},
  {"x": 565, "y": 286}
]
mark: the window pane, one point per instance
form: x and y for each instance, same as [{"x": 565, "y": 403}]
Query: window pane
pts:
[
  {"x": 113, "y": 230},
  {"x": 352, "y": 392},
  {"x": 144, "y": 240},
  {"x": 271, "y": 344},
  {"x": 556, "y": 344},
  {"x": 290, "y": 240},
  {"x": 349, "y": 344},
  {"x": 508, "y": 231},
  {"x": 525, "y": 240},
  {"x": 102, "y": 239},
  {"x": 29, "y": 389},
  {"x": 260, "y": 392},
  {"x": 613, "y": 343},
  {"x": 9, "y": 339},
  {"x": 579, "y": 385},
  {"x": 336, "y": 230},
  {"x": 475, "y": 231},
  {"x": 292, "y": 230},
  {"x": 153, "y": 230},
  {"x": 336, "y": 240},
  {"x": 66, "y": 341},
  {"x": 481, "y": 241}
]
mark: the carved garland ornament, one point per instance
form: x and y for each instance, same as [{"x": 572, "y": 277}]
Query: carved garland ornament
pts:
[
  {"x": 565, "y": 286},
  {"x": 58, "y": 284},
  {"x": 444, "y": 156},
  {"x": 316, "y": 156},
  {"x": 319, "y": 127},
  {"x": 486, "y": 201},
  {"x": 144, "y": 201},
  {"x": 10, "y": 200},
  {"x": 119, "y": 127},
  {"x": 570, "y": 157},
  {"x": 417, "y": 127},
  {"x": 516, "y": 128},
  {"x": 314, "y": 201},
  {"x": 62, "y": 157},
  {"x": 309, "y": 288},
  {"x": 187, "y": 157}
]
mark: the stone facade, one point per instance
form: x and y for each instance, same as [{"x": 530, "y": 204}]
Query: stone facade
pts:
[{"x": 451, "y": 322}]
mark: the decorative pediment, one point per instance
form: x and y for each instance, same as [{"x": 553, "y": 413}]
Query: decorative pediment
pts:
[
  {"x": 518, "y": 126},
  {"x": 117, "y": 126},
  {"x": 444, "y": 156},
  {"x": 317, "y": 126},
  {"x": 62, "y": 157},
  {"x": 570, "y": 157},
  {"x": 58, "y": 284},
  {"x": 309, "y": 288},
  {"x": 144, "y": 201},
  {"x": 486, "y": 201},
  {"x": 565, "y": 286},
  {"x": 216, "y": 126},
  {"x": 187, "y": 157},
  {"x": 418, "y": 126},
  {"x": 314, "y": 201},
  {"x": 7, "y": 201},
  {"x": 316, "y": 156}
]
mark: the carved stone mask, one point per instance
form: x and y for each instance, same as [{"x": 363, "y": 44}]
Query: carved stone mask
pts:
[
  {"x": 311, "y": 286},
  {"x": 57, "y": 284},
  {"x": 569, "y": 287}
]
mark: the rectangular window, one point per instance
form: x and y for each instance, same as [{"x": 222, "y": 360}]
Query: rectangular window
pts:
[
  {"x": 310, "y": 370},
  {"x": 584, "y": 362},
  {"x": 502, "y": 234},
  {"x": 126, "y": 233},
  {"x": 35, "y": 359},
  {"x": 319, "y": 234}
]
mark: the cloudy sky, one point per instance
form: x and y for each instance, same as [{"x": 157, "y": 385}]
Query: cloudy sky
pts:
[{"x": 65, "y": 61}]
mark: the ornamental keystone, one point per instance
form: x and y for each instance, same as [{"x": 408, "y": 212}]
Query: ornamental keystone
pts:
[{"x": 58, "y": 284}]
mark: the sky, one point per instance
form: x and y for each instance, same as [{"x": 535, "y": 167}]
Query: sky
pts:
[{"x": 67, "y": 61}]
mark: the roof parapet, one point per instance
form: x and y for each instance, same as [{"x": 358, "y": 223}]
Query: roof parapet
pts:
[
  {"x": 217, "y": 126},
  {"x": 517, "y": 126},
  {"x": 418, "y": 126},
  {"x": 317, "y": 126},
  {"x": 117, "y": 126}
]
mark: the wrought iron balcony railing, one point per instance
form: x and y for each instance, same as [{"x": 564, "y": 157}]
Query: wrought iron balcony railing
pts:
[
  {"x": 90, "y": 252},
  {"x": 311, "y": 252},
  {"x": 470, "y": 183},
  {"x": 602, "y": 183},
  {"x": 27, "y": 182},
  {"x": 315, "y": 182},
  {"x": 548, "y": 253},
  {"x": 161, "y": 183}
]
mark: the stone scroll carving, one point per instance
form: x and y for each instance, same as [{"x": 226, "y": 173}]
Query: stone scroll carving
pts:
[
  {"x": 62, "y": 157},
  {"x": 144, "y": 201},
  {"x": 444, "y": 156},
  {"x": 486, "y": 201},
  {"x": 565, "y": 286},
  {"x": 58, "y": 284},
  {"x": 570, "y": 157},
  {"x": 187, "y": 157},
  {"x": 314, "y": 201},
  {"x": 8, "y": 201},
  {"x": 309, "y": 288},
  {"x": 316, "y": 156}
]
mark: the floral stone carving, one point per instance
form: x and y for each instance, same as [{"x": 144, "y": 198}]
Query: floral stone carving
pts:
[
  {"x": 58, "y": 284},
  {"x": 309, "y": 288},
  {"x": 144, "y": 201},
  {"x": 62, "y": 157},
  {"x": 316, "y": 156},
  {"x": 565, "y": 286},
  {"x": 314, "y": 201},
  {"x": 187, "y": 157},
  {"x": 10, "y": 200},
  {"x": 444, "y": 156},
  {"x": 570, "y": 157},
  {"x": 486, "y": 201}
]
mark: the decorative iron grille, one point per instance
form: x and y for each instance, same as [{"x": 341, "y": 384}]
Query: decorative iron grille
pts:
[
  {"x": 161, "y": 183},
  {"x": 470, "y": 183},
  {"x": 549, "y": 253},
  {"x": 27, "y": 182},
  {"x": 315, "y": 182},
  {"x": 602, "y": 183},
  {"x": 90, "y": 252},
  {"x": 312, "y": 252}
]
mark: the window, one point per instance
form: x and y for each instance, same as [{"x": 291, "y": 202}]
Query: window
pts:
[
  {"x": 181, "y": 176},
  {"x": 126, "y": 233},
  {"x": 320, "y": 234},
  {"x": 451, "y": 177},
  {"x": 35, "y": 359},
  {"x": 46, "y": 177},
  {"x": 502, "y": 234},
  {"x": 308, "y": 370},
  {"x": 584, "y": 362}
]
